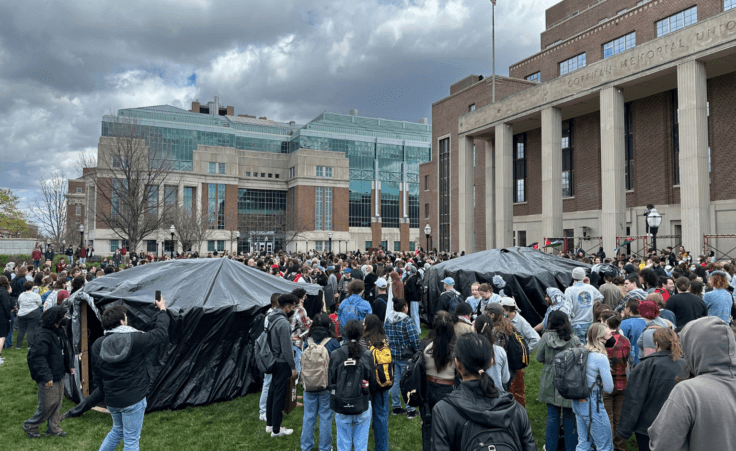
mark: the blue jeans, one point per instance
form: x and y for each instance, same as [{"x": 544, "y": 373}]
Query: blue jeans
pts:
[
  {"x": 298, "y": 359},
  {"x": 399, "y": 367},
  {"x": 264, "y": 394},
  {"x": 9, "y": 338},
  {"x": 36, "y": 264},
  {"x": 352, "y": 431},
  {"x": 317, "y": 404},
  {"x": 415, "y": 315},
  {"x": 597, "y": 419},
  {"x": 126, "y": 425},
  {"x": 581, "y": 330},
  {"x": 553, "y": 427},
  {"x": 379, "y": 401}
]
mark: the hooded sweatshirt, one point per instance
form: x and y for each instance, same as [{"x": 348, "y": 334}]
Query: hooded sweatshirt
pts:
[
  {"x": 646, "y": 339},
  {"x": 468, "y": 406},
  {"x": 401, "y": 331},
  {"x": 281, "y": 343},
  {"x": 700, "y": 411}
]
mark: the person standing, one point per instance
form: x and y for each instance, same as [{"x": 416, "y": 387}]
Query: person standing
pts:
[
  {"x": 266, "y": 377},
  {"x": 354, "y": 307},
  {"x": 29, "y": 313},
  {"x": 610, "y": 292},
  {"x": 374, "y": 338},
  {"x": 487, "y": 296},
  {"x": 632, "y": 327},
  {"x": 685, "y": 305},
  {"x": 511, "y": 311},
  {"x": 499, "y": 369},
  {"x": 379, "y": 304},
  {"x": 403, "y": 338},
  {"x": 82, "y": 256},
  {"x": 5, "y": 313},
  {"x": 285, "y": 366},
  {"x": 36, "y": 255},
  {"x": 618, "y": 349},
  {"x": 581, "y": 296},
  {"x": 70, "y": 254},
  {"x": 49, "y": 360},
  {"x": 719, "y": 301},
  {"x": 413, "y": 292},
  {"x": 121, "y": 371}
]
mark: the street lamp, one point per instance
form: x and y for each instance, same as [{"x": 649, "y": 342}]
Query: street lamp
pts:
[
  {"x": 654, "y": 219},
  {"x": 427, "y": 232},
  {"x": 81, "y": 235},
  {"x": 330, "y": 236},
  {"x": 172, "y": 230},
  {"x": 237, "y": 237}
]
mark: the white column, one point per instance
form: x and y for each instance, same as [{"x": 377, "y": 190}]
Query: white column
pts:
[
  {"x": 551, "y": 173},
  {"x": 693, "y": 131},
  {"x": 613, "y": 202},
  {"x": 465, "y": 194},
  {"x": 504, "y": 184},
  {"x": 490, "y": 200}
]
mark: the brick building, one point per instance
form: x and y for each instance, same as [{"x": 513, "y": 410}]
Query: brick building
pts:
[
  {"x": 627, "y": 103},
  {"x": 343, "y": 179}
]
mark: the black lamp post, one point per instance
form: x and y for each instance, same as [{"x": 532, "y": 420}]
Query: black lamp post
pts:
[
  {"x": 427, "y": 232},
  {"x": 172, "y": 230},
  {"x": 330, "y": 237},
  {"x": 237, "y": 241},
  {"x": 81, "y": 235},
  {"x": 654, "y": 220}
]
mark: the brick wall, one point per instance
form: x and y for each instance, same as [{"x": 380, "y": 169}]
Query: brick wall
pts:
[
  {"x": 722, "y": 98},
  {"x": 74, "y": 184},
  {"x": 430, "y": 196},
  {"x": 587, "y": 142},
  {"x": 304, "y": 207},
  {"x": 533, "y": 183},
  {"x": 340, "y": 209},
  {"x": 564, "y": 9},
  {"x": 479, "y": 182},
  {"x": 231, "y": 207},
  {"x": 641, "y": 20},
  {"x": 104, "y": 192}
]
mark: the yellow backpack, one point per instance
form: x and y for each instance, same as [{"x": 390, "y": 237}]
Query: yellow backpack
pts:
[{"x": 384, "y": 365}]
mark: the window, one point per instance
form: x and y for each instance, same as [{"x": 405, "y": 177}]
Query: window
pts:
[
  {"x": 324, "y": 171},
  {"x": 573, "y": 64},
  {"x": 255, "y": 174},
  {"x": 212, "y": 168},
  {"x": 277, "y": 175},
  {"x": 220, "y": 245},
  {"x": 426, "y": 183},
  {"x": 471, "y": 107},
  {"x": 426, "y": 211},
  {"x": 318, "y": 194},
  {"x": 116, "y": 191},
  {"x": 368, "y": 245},
  {"x": 170, "y": 193},
  {"x": 677, "y": 21},
  {"x": 619, "y": 45},
  {"x": 151, "y": 246},
  {"x": 522, "y": 238},
  {"x": 114, "y": 245},
  {"x": 444, "y": 195},
  {"x": 360, "y": 203},
  {"x": 397, "y": 246},
  {"x": 675, "y": 139},
  {"x": 152, "y": 200},
  {"x": 412, "y": 246},
  {"x": 263, "y": 174},
  {"x": 473, "y": 155},
  {"x": 728, "y": 4},
  {"x": 270, "y": 176},
  {"x": 210, "y": 246},
  {"x": 320, "y": 171},
  {"x": 292, "y": 172},
  {"x": 78, "y": 210},
  {"x": 519, "y": 168},
  {"x": 569, "y": 235},
  {"x": 216, "y": 205},
  {"x": 120, "y": 161},
  {"x": 629, "y": 147},
  {"x": 328, "y": 208},
  {"x": 390, "y": 194},
  {"x": 261, "y": 202},
  {"x": 220, "y": 168},
  {"x": 413, "y": 205},
  {"x": 79, "y": 189},
  {"x": 568, "y": 160},
  {"x": 247, "y": 174},
  {"x": 318, "y": 246},
  {"x": 188, "y": 199},
  {"x": 328, "y": 171},
  {"x": 534, "y": 77}
]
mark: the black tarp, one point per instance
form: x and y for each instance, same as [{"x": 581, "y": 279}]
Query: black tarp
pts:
[
  {"x": 526, "y": 271},
  {"x": 208, "y": 356}
]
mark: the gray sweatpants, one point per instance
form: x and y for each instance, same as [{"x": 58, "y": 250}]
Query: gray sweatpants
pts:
[{"x": 49, "y": 404}]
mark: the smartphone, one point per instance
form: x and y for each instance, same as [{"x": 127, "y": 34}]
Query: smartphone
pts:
[{"x": 158, "y": 295}]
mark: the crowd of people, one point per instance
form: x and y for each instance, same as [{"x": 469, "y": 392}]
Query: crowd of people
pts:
[{"x": 655, "y": 335}]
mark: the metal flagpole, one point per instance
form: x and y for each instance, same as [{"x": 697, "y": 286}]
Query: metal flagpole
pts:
[{"x": 493, "y": 44}]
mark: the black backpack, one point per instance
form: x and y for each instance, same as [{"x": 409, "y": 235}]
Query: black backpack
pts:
[
  {"x": 569, "y": 373},
  {"x": 518, "y": 352},
  {"x": 413, "y": 384},
  {"x": 480, "y": 438},
  {"x": 265, "y": 360},
  {"x": 347, "y": 395}
]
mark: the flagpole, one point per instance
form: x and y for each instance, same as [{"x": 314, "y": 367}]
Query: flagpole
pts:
[{"x": 493, "y": 45}]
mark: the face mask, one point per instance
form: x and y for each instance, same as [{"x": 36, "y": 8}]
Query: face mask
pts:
[
  {"x": 610, "y": 342},
  {"x": 505, "y": 315}
]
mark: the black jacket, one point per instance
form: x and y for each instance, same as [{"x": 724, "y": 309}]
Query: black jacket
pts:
[
  {"x": 18, "y": 286},
  {"x": 468, "y": 403},
  {"x": 379, "y": 306},
  {"x": 648, "y": 387},
  {"x": 686, "y": 307},
  {"x": 370, "y": 284},
  {"x": 5, "y": 306},
  {"x": 49, "y": 358},
  {"x": 412, "y": 290},
  {"x": 120, "y": 363}
]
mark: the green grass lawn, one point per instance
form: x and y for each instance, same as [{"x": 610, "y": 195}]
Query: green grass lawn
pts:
[{"x": 231, "y": 425}]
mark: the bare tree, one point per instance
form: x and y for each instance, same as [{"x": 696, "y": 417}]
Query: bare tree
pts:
[
  {"x": 262, "y": 227},
  {"x": 193, "y": 229},
  {"x": 85, "y": 160},
  {"x": 128, "y": 178},
  {"x": 49, "y": 210}
]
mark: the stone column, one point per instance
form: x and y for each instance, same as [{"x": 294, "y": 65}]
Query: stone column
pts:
[
  {"x": 551, "y": 173},
  {"x": 504, "y": 185},
  {"x": 490, "y": 198},
  {"x": 693, "y": 131},
  {"x": 613, "y": 201},
  {"x": 465, "y": 194}
]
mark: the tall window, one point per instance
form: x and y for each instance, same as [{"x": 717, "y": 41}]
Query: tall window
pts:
[
  {"x": 390, "y": 193},
  {"x": 573, "y": 64},
  {"x": 728, "y": 4},
  {"x": 619, "y": 45},
  {"x": 534, "y": 77},
  {"x": 328, "y": 208},
  {"x": 188, "y": 199},
  {"x": 426, "y": 183},
  {"x": 117, "y": 187},
  {"x": 170, "y": 193},
  {"x": 520, "y": 168},
  {"x": 152, "y": 200},
  {"x": 320, "y": 171},
  {"x": 216, "y": 205},
  {"x": 568, "y": 160},
  {"x": 522, "y": 238},
  {"x": 413, "y": 205},
  {"x": 360, "y": 203},
  {"x": 675, "y": 139},
  {"x": 473, "y": 155},
  {"x": 78, "y": 210},
  {"x": 220, "y": 168},
  {"x": 677, "y": 21},
  {"x": 426, "y": 211},
  {"x": 318, "y": 194},
  {"x": 114, "y": 245},
  {"x": 212, "y": 169},
  {"x": 444, "y": 194},
  {"x": 628, "y": 147}
]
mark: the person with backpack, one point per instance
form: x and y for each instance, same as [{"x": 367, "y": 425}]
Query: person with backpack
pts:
[
  {"x": 649, "y": 310},
  {"x": 580, "y": 297},
  {"x": 439, "y": 363},
  {"x": 375, "y": 341},
  {"x": 449, "y": 299},
  {"x": 278, "y": 332},
  {"x": 499, "y": 369},
  {"x": 557, "y": 338},
  {"x": 350, "y": 377},
  {"x": 413, "y": 293},
  {"x": 354, "y": 307},
  {"x": 403, "y": 338},
  {"x": 618, "y": 349},
  {"x": 504, "y": 335},
  {"x": 590, "y": 412},
  {"x": 379, "y": 304},
  {"x": 476, "y": 415},
  {"x": 648, "y": 387},
  {"x": 632, "y": 327},
  {"x": 319, "y": 343},
  {"x": 555, "y": 300},
  {"x": 267, "y": 376},
  {"x": 528, "y": 336}
]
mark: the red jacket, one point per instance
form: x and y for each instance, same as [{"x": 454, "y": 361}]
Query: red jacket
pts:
[
  {"x": 82, "y": 253},
  {"x": 665, "y": 294},
  {"x": 36, "y": 255}
]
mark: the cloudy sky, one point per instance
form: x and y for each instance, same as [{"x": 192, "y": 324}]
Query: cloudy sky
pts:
[{"x": 64, "y": 64}]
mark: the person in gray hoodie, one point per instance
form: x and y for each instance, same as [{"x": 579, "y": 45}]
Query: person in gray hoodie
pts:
[
  {"x": 285, "y": 367},
  {"x": 701, "y": 409}
]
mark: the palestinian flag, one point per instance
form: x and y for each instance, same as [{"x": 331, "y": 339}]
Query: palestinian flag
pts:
[
  {"x": 534, "y": 245},
  {"x": 626, "y": 241},
  {"x": 555, "y": 243}
]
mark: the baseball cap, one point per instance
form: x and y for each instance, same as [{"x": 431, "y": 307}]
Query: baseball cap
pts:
[
  {"x": 509, "y": 302},
  {"x": 348, "y": 271},
  {"x": 381, "y": 283},
  {"x": 494, "y": 307},
  {"x": 578, "y": 274},
  {"x": 449, "y": 281}
]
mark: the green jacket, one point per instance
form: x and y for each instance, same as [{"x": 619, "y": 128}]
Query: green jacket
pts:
[{"x": 549, "y": 346}]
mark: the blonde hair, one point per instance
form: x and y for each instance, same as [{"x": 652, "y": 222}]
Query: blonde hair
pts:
[
  {"x": 475, "y": 284},
  {"x": 595, "y": 333}
]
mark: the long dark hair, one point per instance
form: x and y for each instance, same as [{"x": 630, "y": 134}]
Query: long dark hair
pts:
[
  {"x": 442, "y": 338},
  {"x": 559, "y": 322},
  {"x": 374, "y": 331},
  {"x": 474, "y": 352},
  {"x": 484, "y": 326},
  {"x": 353, "y": 333},
  {"x": 323, "y": 320}
]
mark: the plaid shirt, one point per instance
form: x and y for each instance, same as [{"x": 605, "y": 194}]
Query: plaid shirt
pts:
[
  {"x": 400, "y": 334},
  {"x": 618, "y": 356},
  {"x": 300, "y": 323}
]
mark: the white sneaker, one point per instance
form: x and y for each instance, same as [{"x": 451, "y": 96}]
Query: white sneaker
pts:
[
  {"x": 262, "y": 417},
  {"x": 269, "y": 429},
  {"x": 283, "y": 432}
]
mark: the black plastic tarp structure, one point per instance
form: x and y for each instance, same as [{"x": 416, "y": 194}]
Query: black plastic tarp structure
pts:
[
  {"x": 208, "y": 356},
  {"x": 526, "y": 271}
]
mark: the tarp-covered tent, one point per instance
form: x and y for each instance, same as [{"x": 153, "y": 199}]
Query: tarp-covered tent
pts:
[
  {"x": 208, "y": 356},
  {"x": 526, "y": 271}
]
